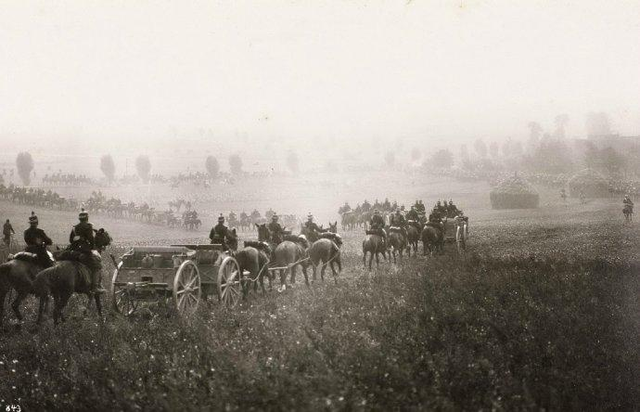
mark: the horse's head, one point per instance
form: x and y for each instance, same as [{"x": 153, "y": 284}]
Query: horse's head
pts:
[
  {"x": 333, "y": 227},
  {"x": 102, "y": 239},
  {"x": 264, "y": 234}
]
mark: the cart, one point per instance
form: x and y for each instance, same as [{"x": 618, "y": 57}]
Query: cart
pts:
[
  {"x": 457, "y": 230},
  {"x": 181, "y": 275}
]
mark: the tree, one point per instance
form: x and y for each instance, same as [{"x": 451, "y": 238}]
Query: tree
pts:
[
  {"x": 235, "y": 164},
  {"x": 551, "y": 156},
  {"x": 108, "y": 167},
  {"x": 390, "y": 158},
  {"x": 517, "y": 149},
  {"x": 561, "y": 121},
  {"x": 24, "y": 163},
  {"x": 292, "y": 162},
  {"x": 212, "y": 166},
  {"x": 494, "y": 149},
  {"x": 143, "y": 167},
  {"x": 535, "y": 131},
  {"x": 507, "y": 148},
  {"x": 480, "y": 147},
  {"x": 598, "y": 124},
  {"x": 441, "y": 159}
]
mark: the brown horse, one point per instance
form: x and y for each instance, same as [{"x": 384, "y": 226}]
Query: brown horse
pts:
[
  {"x": 397, "y": 242},
  {"x": 326, "y": 251},
  {"x": 432, "y": 238},
  {"x": 413, "y": 236},
  {"x": 291, "y": 254},
  {"x": 17, "y": 274},
  {"x": 254, "y": 258},
  {"x": 373, "y": 244},
  {"x": 61, "y": 281}
]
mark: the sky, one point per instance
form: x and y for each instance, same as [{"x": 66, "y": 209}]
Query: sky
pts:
[{"x": 134, "y": 73}]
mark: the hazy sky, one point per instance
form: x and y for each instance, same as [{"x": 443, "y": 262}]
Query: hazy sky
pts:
[{"x": 137, "y": 70}]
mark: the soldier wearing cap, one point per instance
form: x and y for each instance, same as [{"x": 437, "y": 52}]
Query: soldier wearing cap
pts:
[
  {"x": 413, "y": 214},
  {"x": 276, "y": 229},
  {"x": 377, "y": 224},
  {"x": 311, "y": 225},
  {"x": 81, "y": 237},
  {"x": 37, "y": 241},
  {"x": 7, "y": 231},
  {"x": 220, "y": 233},
  {"x": 82, "y": 240}
]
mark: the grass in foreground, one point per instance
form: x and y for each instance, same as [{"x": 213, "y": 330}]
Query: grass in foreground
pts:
[{"x": 484, "y": 333}]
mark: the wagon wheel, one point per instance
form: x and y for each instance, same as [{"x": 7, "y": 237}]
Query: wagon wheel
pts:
[
  {"x": 229, "y": 282},
  {"x": 187, "y": 288},
  {"x": 123, "y": 300}
]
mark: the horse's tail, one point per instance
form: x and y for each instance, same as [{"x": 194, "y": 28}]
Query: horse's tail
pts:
[{"x": 41, "y": 286}]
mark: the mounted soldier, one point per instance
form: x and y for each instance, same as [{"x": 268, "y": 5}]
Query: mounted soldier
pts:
[
  {"x": 220, "y": 234},
  {"x": 37, "y": 241},
  {"x": 313, "y": 226},
  {"x": 366, "y": 206},
  {"x": 413, "y": 214},
  {"x": 377, "y": 224},
  {"x": 277, "y": 231},
  {"x": 82, "y": 240},
  {"x": 452, "y": 210}
]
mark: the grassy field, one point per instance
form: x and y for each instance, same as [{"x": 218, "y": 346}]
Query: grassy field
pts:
[{"x": 542, "y": 312}]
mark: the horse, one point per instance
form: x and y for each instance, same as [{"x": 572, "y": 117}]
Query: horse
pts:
[
  {"x": 326, "y": 251},
  {"x": 413, "y": 236},
  {"x": 627, "y": 211},
  {"x": 254, "y": 258},
  {"x": 372, "y": 243},
  {"x": 333, "y": 227},
  {"x": 432, "y": 238},
  {"x": 61, "y": 281},
  {"x": 349, "y": 220},
  {"x": 292, "y": 253},
  {"x": 19, "y": 274},
  {"x": 397, "y": 242}
]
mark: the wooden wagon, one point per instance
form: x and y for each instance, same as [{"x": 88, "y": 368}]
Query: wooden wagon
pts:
[{"x": 181, "y": 275}]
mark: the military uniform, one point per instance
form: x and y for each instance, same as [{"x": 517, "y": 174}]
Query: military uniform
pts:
[
  {"x": 313, "y": 226},
  {"x": 7, "y": 231},
  {"x": 82, "y": 238},
  {"x": 220, "y": 234},
  {"x": 412, "y": 215},
  {"x": 36, "y": 242},
  {"x": 398, "y": 220}
]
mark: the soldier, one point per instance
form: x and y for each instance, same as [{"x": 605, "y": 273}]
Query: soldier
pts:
[
  {"x": 37, "y": 241},
  {"x": 312, "y": 226},
  {"x": 276, "y": 230},
  {"x": 7, "y": 231},
  {"x": 366, "y": 206},
  {"x": 377, "y": 224},
  {"x": 82, "y": 240},
  {"x": 232, "y": 216},
  {"x": 421, "y": 209},
  {"x": 220, "y": 233},
  {"x": 413, "y": 214},
  {"x": 626, "y": 202},
  {"x": 452, "y": 210}
]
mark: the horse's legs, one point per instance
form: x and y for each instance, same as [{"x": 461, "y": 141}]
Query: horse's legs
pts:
[
  {"x": 42, "y": 308},
  {"x": 333, "y": 270},
  {"x": 378, "y": 259},
  {"x": 96, "y": 296},
  {"x": 306, "y": 276},
  {"x": 322, "y": 269},
  {"x": 16, "y": 304},
  {"x": 60, "y": 302},
  {"x": 364, "y": 258},
  {"x": 283, "y": 277}
]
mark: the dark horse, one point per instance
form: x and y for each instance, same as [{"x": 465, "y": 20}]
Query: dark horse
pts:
[
  {"x": 254, "y": 258},
  {"x": 397, "y": 242},
  {"x": 326, "y": 251},
  {"x": 627, "y": 211},
  {"x": 290, "y": 254},
  {"x": 373, "y": 244},
  {"x": 413, "y": 236},
  {"x": 432, "y": 238},
  {"x": 21, "y": 273}
]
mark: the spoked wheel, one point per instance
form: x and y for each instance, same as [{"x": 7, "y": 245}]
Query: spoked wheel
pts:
[
  {"x": 123, "y": 300},
  {"x": 229, "y": 282},
  {"x": 187, "y": 289}
]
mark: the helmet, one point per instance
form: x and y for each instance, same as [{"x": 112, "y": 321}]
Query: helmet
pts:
[
  {"x": 221, "y": 218},
  {"x": 274, "y": 217},
  {"x": 83, "y": 215},
  {"x": 33, "y": 219},
  {"x": 309, "y": 216}
]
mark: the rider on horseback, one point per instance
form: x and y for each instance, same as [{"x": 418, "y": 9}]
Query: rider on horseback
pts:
[
  {"x": 398, "y": 220},
  {"x": 377, "y": 224},
  {"x": 37, "y": 242},
  {"x": 7, "y": 231},
  {"x": 312, "y": 226},
  {"x": 277, "y": 231},
  {"x": 413, "y": 214},
  {"x": 220, "y": 233},
  {"x": 627, "y": 204},
  {"x": 82, "y": 240}
]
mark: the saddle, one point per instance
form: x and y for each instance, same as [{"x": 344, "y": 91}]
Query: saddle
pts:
[
  {"x": 26, "y": 257},
  {"x": 333, "y": 237},
  {"x": 396, "y": 229},
  {"x": 91, "y": 260}
]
